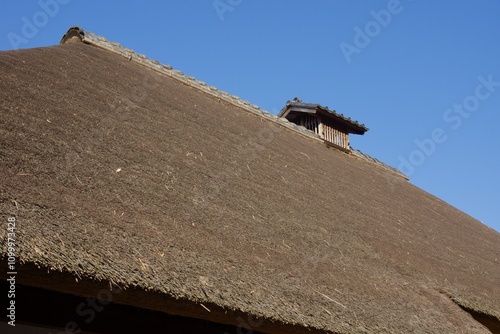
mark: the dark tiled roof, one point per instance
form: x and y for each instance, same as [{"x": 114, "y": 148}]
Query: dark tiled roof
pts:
[{"x": 297, "y": 103}]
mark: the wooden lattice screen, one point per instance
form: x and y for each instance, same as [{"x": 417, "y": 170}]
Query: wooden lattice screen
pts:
[{"x": 327, "y": 130}]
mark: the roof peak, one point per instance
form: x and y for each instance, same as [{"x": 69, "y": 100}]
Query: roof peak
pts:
[{"x": 78, "y": 34}]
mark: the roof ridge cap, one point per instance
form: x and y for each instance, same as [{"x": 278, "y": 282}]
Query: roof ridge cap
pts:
[
  {"x": 377, "y": 162},
  {"x": 88, "y": 37}
]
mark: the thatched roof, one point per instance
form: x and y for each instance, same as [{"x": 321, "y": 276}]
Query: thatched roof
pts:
[{"x": 120, "y": 173}]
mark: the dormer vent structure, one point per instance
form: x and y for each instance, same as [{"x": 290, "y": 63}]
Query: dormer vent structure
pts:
[{"x": 332, "y": 127}]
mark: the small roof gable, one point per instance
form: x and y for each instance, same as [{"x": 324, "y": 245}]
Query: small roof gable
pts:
[{"x": 297, "y": 106}]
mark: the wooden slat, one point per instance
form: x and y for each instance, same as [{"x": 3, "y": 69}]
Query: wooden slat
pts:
[{"x": 332, "y": 132}]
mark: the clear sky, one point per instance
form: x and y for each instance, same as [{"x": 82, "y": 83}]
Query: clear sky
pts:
[{"x": 423, "y": 75}]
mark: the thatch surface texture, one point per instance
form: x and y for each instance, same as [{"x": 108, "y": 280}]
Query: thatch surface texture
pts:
[{"x": 116, "y": 172}]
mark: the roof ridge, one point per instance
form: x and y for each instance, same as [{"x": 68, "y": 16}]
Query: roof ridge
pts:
[
  {"x": 115, "y": 47},
  {"x": 99, "y": 41},
  {"x": 377, "y": 162}
]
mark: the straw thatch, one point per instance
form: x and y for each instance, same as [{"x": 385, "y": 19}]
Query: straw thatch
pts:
[{"x": 119, "y": 173}]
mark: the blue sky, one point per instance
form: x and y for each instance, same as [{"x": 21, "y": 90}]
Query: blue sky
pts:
[{"x": 424, "y": 76}]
